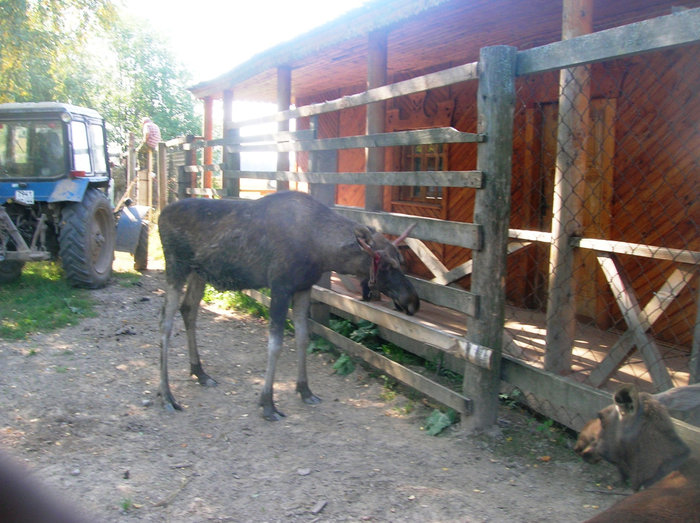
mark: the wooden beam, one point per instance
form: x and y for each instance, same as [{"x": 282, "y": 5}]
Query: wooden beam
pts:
[
  {"x": 631, "y": 312},
  {"x": 652, "y": 311},
  {"x": 425, "y": 385},
  {"x": 208, "y": 131},
  {"x": 694, "y": 363},
  {"x": 472, "y": 179},
  {"x": 649, "y": 35},
  {"x": 495, "y": 108},
  {"x": 461, "y": 234},
  {"x": 460, "y": 73},
  {"x": 572, "y": 133},
  {"x": 376, "y": 115},
  {"x": 419, "y": 137},
  {"x": 638, "y": 249},
  {"x": 231, "y": 161},
  {"x": 284, "y": 100},
  {"x": 454, "y": 298}
]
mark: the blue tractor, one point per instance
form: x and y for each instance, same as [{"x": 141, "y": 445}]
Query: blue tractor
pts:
[{"x": 54, "y": 204}]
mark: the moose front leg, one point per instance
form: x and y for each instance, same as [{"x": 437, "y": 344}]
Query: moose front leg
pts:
[{"x": 302, "y": 302}]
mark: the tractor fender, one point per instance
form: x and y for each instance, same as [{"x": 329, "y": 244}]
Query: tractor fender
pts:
[{"x": 131, "y": 219}]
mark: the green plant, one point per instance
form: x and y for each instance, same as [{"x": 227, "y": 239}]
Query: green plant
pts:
[
  {"x": 318, "y": 344},
  {"x": 439, "y": 421},
  {"x": 126, "y": 504},
  {"x": 41, "y": 300},
  {"x": 344, "y": 365}
]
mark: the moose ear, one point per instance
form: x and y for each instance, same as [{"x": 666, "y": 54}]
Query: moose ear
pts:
[
  {"x": 363, "y": 233},
  {"x": 627, "y": 399}
]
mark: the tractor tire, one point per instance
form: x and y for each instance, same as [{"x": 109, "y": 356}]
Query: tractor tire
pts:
[
  {"x": 10, "y": 271},
  {"x": 87, "y": 240},
  {"x": 141, "y": 252}
]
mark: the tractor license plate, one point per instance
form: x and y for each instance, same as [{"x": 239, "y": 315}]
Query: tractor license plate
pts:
[{"x": 24, "y": 196}]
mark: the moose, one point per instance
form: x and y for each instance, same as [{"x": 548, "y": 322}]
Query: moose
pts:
[
  {"x": 284, "y": 241},
  {"x": 636, "y": 434}
]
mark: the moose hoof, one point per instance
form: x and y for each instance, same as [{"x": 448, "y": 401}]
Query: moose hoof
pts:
[
  {"x": 311, "y": 399},
  {"x": 169, "y": 403},
  {"x": 273, "y": 414},
  {"x": 307, "y": 396}
]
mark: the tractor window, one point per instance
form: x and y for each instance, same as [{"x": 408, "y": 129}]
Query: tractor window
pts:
[
  {"x": 98, "y": 148},
  {"x": 81, "y": 151},
  {"x": 31, "y": 149}
]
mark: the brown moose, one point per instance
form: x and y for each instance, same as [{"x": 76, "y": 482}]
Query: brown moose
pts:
[{"x": 637, "y": 435}]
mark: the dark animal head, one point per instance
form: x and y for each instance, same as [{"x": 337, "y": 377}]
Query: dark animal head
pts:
[
  {"x": 636, "y": 434},
  {"x": 386, "y": 274}
]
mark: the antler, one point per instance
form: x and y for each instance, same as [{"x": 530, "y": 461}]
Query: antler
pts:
[
  {"x": 366, "y": 247},
  {"x": 403, "y": 236}
]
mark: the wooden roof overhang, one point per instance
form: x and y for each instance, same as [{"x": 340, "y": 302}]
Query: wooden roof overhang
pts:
[{"x": 422, "y": 35}]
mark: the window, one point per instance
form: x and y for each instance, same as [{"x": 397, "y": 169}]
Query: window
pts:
[
  {"x": 423, "y": 158},
  {"x": 98, "y": 148},
  {"x": 81, "y": 152}
]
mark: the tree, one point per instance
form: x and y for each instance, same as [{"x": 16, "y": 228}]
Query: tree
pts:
[{"x": 86, "y": 53}]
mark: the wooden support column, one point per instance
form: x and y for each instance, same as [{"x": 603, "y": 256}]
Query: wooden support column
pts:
[
  {"x": 162, "y": 176},
  {"x": 495, "y": 106},
  {"x": 208, "y": 130},
  {"x": 376, "y": 77},
  {"x": 284, "y": 100},
  {"x": 232, "y": 161},
  {"x": 131, "y": 161},
  {"x": 572, "y": 135},
  {"x": 322, "y": 161},
  {"x": 695, "y": 350}
]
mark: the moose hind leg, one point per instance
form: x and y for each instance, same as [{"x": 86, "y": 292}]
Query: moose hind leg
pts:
[
  {"x": 167, "y": 315},
  {"x": 189, "y": 310},
  {"x": 278, "y": 314},
  {"x": 302, "y": 301}
]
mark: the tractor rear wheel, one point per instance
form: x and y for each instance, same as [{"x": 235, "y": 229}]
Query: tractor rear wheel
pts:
[{"x": 87, "y": 240}]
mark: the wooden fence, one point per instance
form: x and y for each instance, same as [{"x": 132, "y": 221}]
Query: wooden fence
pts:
[{"x": 481, "y": 355}]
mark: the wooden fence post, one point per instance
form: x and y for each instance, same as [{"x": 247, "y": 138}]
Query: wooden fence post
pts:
[{"x": 495, "y": 105}]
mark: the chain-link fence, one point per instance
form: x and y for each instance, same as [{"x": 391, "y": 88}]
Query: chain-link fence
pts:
[{"x": 619, "y": 174}]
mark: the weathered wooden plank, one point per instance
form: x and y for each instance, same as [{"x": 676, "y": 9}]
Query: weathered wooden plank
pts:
[
  {"x": 429, "y": 229},
  {"x": 658, "y": 303},
  {"x": 434, "y": 390},
  {"x": 451, "y": 297},
  {"x": 198, "y": 191},
  {"x": 419, "y": 137},
  {"x": 638, "y": 249},
  {"x": 393, "y": 320},
  {"x": 425, "y": 255},
  {"x": 649, "y": 35},
  {"x": 631, "y": 312},
  {"x": 471, "y": 179},
  {"x": 460, "y": 73},
  {"x": 533, "y": 236}
]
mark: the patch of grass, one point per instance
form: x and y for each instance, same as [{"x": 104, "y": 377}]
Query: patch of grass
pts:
[
  {"x": 41, "y": 301},
  {"x": 237, "y": 301},
  {"x": 127, "y": 278},
  {"x": 126, "y": 504}
]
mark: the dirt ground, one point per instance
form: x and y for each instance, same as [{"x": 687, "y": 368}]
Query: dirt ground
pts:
[{"x": 79, "y": 408}]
